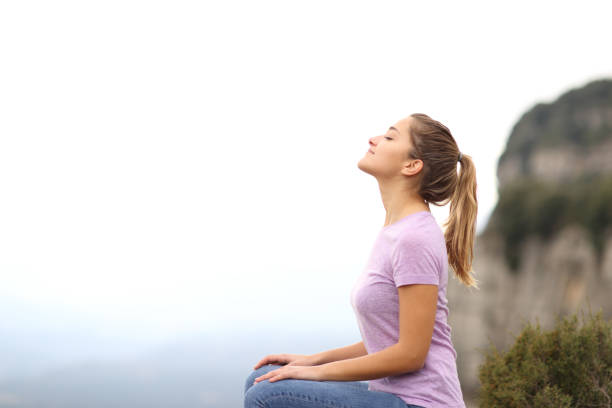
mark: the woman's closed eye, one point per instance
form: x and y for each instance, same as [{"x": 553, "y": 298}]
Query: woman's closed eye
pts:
[{"x": 388, "y": 138}]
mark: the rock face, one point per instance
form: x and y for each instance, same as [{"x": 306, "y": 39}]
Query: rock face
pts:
[
  {"x": 571, "y": 137},
  {"x": 557, "y": 164},
  {"x": 560, "y": 274}
]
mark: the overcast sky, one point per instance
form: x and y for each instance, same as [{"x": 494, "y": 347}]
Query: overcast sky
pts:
[{"x": 194, "y": 164}]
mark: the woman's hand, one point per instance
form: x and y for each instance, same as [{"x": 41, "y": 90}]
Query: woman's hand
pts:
[
  {"x": 292, "y": 371},
  {"x": 289, "y": 359}
]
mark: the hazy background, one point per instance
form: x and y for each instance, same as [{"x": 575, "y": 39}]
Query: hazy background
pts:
[{"x": 183, "y": 175}]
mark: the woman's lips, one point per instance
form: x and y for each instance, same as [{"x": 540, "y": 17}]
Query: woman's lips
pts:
[{"x": 370, "y": 151}]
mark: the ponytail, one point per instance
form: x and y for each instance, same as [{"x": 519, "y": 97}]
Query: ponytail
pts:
[{"x": 461, "y": 224}]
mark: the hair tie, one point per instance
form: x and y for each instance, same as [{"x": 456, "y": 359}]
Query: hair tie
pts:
[{"x": 460, "y": 156}]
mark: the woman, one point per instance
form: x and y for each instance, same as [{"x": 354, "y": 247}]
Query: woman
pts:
[{"x": 400, "y": 298}]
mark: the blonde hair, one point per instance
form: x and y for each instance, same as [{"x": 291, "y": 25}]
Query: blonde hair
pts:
[{"x": 440, "y": 184}]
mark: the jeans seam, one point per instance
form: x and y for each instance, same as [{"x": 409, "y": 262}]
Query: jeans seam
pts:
[{"x": 324, "y": 404}]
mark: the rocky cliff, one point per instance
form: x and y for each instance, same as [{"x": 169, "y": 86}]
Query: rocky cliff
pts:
[{"x": 547, "y": 249}]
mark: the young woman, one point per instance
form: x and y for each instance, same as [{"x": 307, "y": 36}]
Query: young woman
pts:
[{"x": 400, "y": 298}]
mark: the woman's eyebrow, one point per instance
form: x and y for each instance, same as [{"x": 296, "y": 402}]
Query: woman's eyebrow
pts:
[{"x": 392, "y": 128}]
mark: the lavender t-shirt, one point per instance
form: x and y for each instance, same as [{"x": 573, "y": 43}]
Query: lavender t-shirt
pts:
[{"x": 412, "y": 250}]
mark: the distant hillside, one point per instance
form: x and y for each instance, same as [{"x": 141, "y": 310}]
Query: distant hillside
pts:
[
  {"x": 557, "y": 170},
  {"x": 52, "y": 356},
  {"x": 547, "y": 249}
]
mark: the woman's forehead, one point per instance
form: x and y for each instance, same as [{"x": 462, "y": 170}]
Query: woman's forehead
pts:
[{"x": 402, "y": 126}]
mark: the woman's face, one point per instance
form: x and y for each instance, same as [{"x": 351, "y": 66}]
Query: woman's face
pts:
[{"x": 387, "y": 156}]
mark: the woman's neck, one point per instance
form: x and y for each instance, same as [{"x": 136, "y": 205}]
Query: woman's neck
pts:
[{"x": 400, "y": 202}]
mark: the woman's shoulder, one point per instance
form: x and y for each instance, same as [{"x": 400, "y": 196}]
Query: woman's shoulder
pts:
[
  {"x": 422, "y": 228},
  {"x": 424, "y": 234}
]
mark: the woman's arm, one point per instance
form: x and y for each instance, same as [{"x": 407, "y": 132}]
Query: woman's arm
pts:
[
  {"x": 417, "y": 318},
  {"x": 342, "y": 353},
  {"x": 417, "y": 304}
]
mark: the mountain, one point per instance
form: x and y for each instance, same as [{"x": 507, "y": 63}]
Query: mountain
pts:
[{"x": 547, "y": 249}]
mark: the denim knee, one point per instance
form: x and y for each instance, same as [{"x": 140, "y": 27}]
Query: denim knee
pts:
[
  {"x": 258, "y": 373},
  {"x": 264, "y": 392}
]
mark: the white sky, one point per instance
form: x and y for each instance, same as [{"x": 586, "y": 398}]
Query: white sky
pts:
[{"x": 189, "y": 164}]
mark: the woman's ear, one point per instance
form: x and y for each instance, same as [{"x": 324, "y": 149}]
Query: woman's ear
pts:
[{"x": 412, "y": 167}]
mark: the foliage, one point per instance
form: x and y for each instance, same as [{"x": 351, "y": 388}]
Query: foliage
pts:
[
  {"x": 535, "y": 208},
  {"x": 569, "y": 366}
]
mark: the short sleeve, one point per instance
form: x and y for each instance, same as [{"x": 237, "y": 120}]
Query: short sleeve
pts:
[{"x": 414, "y": 262}]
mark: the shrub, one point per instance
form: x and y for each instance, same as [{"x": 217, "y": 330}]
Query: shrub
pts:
[
  {"x": 535, "y": 208},
  {"x": 569, "y": 366}
]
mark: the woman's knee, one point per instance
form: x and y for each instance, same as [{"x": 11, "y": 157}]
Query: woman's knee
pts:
[
  {"x": 279, "y": 393},
  {"x": 258, "y": 373}
]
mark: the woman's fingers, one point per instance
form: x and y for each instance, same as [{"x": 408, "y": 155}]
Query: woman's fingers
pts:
[
  {"x": 275, "y": 358},
  {"x": 267, "y": 376},
  {"x": 261, "y": 362}
]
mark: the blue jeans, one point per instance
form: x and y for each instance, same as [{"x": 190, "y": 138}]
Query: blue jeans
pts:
[{"x": 292, "y": 393}]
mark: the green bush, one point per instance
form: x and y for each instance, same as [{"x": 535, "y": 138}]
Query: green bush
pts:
[
  {"x": 535, "y": 208},
  {"x": 569, "y": 366}
]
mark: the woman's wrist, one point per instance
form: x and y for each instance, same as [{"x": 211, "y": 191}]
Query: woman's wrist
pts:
[
  {"x": 342, "y": 353},
  {"x": 316, "y": 358}
]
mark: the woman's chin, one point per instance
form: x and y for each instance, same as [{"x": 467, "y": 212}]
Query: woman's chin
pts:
[{"x": 363, "y": 167}]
